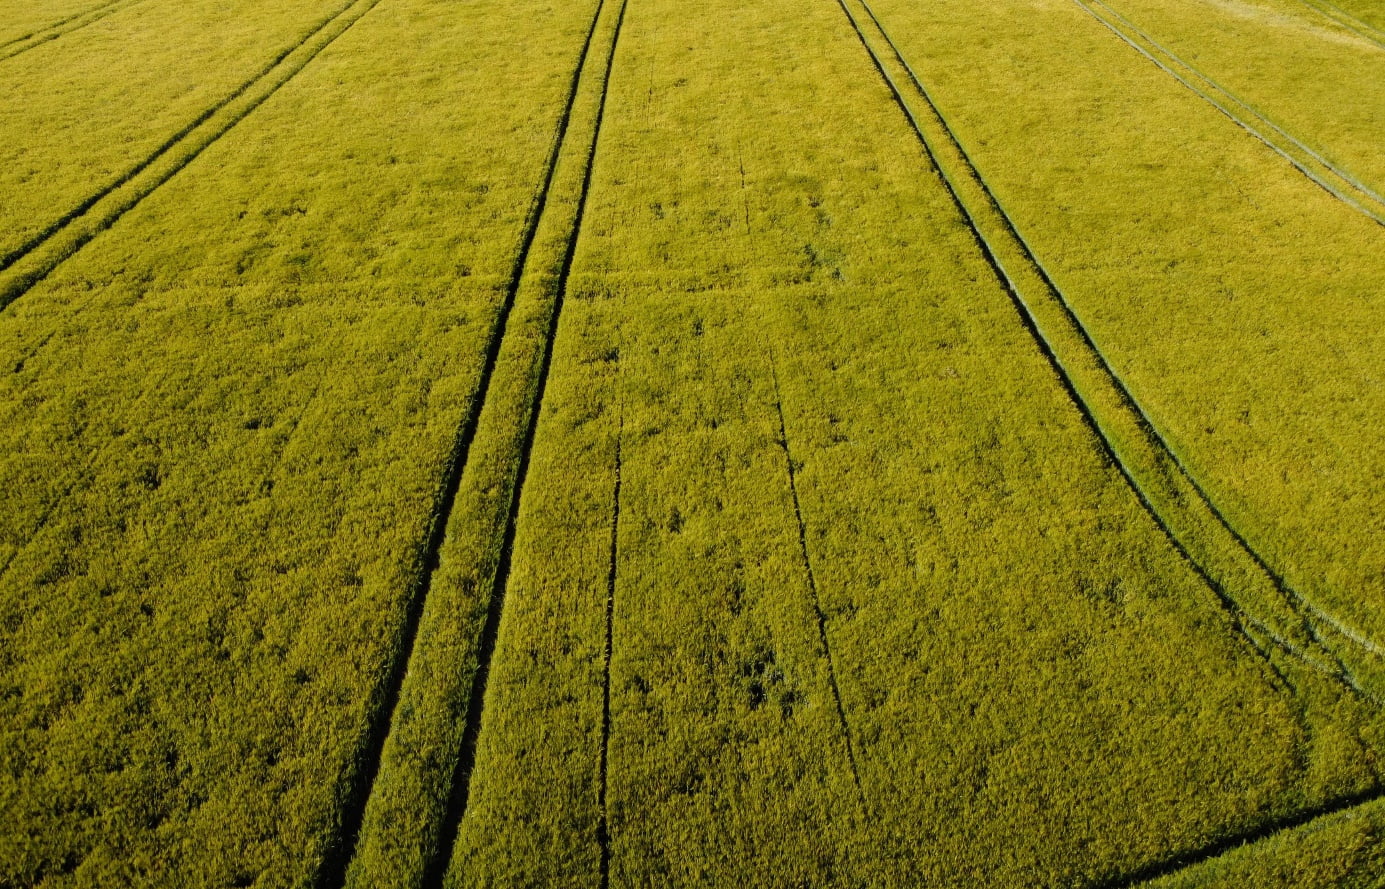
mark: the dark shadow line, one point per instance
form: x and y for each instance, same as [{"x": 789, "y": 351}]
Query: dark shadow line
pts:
[
  {"x": 813, "y": 586},
  {"x": 441, "y": 862},
  {"x": 373, "y": 746},
  {"x": 1184, "y": 860}
]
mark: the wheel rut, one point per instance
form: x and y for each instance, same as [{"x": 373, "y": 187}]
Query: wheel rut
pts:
[{"x": 1259, "y": 601}]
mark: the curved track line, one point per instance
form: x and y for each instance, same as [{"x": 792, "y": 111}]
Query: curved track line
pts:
[
  {"x": 1184, "y": 860},
  {"x": 466, "y": 761},
  {"x": 1307, "y": 613},
  {"x": 1241, "y": 619},
  {"x": 1366, "y": 200},
  {"x": 372, "y": 752}
]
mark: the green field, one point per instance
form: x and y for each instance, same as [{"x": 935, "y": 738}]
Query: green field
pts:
[{"x": 627, "y": 443}]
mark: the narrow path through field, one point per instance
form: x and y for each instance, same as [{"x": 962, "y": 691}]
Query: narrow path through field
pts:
[
  {"x": 18, "y": 45},
  {"x": 1255, "y": 596},
  {"x": 1331, "y": 177},
  {"x": 32, "y": 261},
  {"x": 448, "y": 487}
]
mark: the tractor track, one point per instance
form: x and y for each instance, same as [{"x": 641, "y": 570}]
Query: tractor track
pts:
[
  {"x": 466, "y": 760},
  {"x": 603, "y": 830},
  {"x": 1181, "y": 861},
  {"x": 334, "y": 874},
  {"x": 1339, "y": 16},
  {"x": 1364, "y": 199},
  {"x": 1324, "y": 659},
  {"x": 815, "y": 597},
  {"x": 1220, "y": 846},
  {"x": 48, "y": 33},
  {"x": 28, "y": 264},
  {"x": 1312, "y": 617}
]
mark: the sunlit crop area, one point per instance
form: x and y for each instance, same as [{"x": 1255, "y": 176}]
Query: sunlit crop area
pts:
[{"x": 635, "y": 443}]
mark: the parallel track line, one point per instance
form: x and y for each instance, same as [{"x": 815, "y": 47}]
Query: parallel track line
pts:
[
  {"x": 334, "y": 873},
  {"x": 603, "y": 832},
  {"x": 1310, "y": 617},
  {"x": 97, "y": 220},
  {"x": 34, "y": 39},
  {"x": 1241, "y": 622},
  {"x": 466, "y": 760},
  {"x": 1366, "y": 200}
]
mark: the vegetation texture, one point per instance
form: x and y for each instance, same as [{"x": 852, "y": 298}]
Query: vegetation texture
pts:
[{"x": 849, "y": 443}]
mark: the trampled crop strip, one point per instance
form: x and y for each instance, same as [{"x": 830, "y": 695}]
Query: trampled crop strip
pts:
[
  {"x": 180, "y": 149},
  {"x": 428, "y": 561},
  {"x": 466, "y": 760},
  {"x": 1348, "y": 188},
  {"x": 1241, "y": 619},
  {"x": 18, "y": 45},
  {"x": 814, "y": 596},
  {"x": 1181, "y": 861}
]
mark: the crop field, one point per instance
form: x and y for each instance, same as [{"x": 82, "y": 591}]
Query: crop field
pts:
[{"x": 637, "y": 443}]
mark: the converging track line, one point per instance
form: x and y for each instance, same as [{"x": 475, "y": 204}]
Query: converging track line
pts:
[
  {"x": 1123, "y": 408},
  {"x": 334, "y": 874},
  {"x": 95, "y": 219},
  {"x": 819, "y": 616},
  {"x": 466, "y": 760}
]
